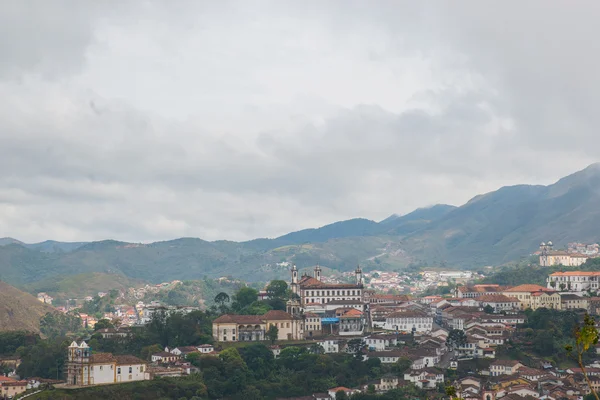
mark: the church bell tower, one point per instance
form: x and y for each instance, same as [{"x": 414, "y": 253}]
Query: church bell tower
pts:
[
  {"x": 294, "y": 284},
  {"x": 318, "y": 273},
  {"x": 358, "y": 273}
]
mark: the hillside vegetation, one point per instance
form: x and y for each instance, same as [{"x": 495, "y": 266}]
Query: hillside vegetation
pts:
[
  {"x": 82, "y": 285},
  {"x": 490, "y": 229},
  {"x": 20, "y": 311}
]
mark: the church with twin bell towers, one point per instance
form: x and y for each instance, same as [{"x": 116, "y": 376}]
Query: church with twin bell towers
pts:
[{"x": 312, "y": 290}]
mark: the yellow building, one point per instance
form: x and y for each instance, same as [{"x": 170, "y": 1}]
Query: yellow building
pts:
[
  {"x": 250, "y": 328},
  {"x": 562, "y": 258},
  {"x": 534, "y": 296},
  {"x": 289, "y": 327}
]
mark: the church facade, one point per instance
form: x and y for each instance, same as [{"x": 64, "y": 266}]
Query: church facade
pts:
[{"x": 312, "y": 290}]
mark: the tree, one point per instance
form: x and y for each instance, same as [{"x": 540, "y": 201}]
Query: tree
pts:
[
  {"x": 456, "y": 338},
  {"x": 355, "y": 346},
  {"x": 222, "y": 298},
  {"x": 316, "y": 348},
  {"x": 341, "y": 395},
  {"x": 451, "y": 392},
  {"x": 245, "y": 297},
  {"x": 56, "y": 324},
  {"x": 402, "y": 364},
  {"x": 273, "y": 333},
  {"x": 488, "y": 309},
  {"x": 585, "y": 337},
  {"x": 103, "y": 324},
  {"x": 147, "y": 351},
  {"x": 277, "y": 289}
]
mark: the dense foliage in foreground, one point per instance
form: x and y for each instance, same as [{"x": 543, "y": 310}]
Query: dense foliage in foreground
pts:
[{"x": 251, "y": 373}]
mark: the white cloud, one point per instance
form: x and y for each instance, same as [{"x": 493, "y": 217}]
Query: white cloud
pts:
[{"x": 249, "y": 119}]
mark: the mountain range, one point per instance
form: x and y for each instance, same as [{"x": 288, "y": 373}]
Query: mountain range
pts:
[{"x": 490, "y": 229}]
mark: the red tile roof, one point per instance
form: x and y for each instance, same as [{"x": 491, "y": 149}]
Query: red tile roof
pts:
[
  {"x": 102, "y": 358},
  {"x": 128, "y": 360},
  {"x": 528, "y": 288},
  {"x": 239, "y": 319}
]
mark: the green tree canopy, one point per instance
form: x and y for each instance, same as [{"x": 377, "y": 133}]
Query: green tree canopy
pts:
[
  {"x": 277, "y": 289},
  {"x": 456, "y": 338},
  {"x": 245, "y": 297}
]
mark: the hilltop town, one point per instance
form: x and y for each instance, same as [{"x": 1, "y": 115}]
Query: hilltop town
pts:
[{"x": 477, "y": 340}]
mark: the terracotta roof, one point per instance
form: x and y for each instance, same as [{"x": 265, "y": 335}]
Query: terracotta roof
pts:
[
  {"x": 6, "y": 379},
  {"x": 309, "y": 282},
  {"x": 400, "y": 297},
  {"x": 497, "y": 298},
  {"x": 528, "y": 288},
  {"x": 544, "y": 292},
  {"x": 480, "y": 288},
  {"x": 337, "y": 389},
  {"x": 163, "y": 354},
  {"x": 15, "y": 383},
  {"x": 239, "y": 319},
  {"x": 576, "y": 273},
  {"x": 102, "y": 358},
  {"x": 353, "y": 312},
  {"x": 128, "y": 360}
]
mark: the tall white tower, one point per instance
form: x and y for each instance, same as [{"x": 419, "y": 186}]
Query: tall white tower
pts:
[
  {"x": 294, "y": 284},
  {"x": 318, "y": 273},
  {"x": 358, "y": 273}
]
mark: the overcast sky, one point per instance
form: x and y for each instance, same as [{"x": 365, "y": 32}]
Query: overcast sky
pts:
[{"x": 152, "y": 120}]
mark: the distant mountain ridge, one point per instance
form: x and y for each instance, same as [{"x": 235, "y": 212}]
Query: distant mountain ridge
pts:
[
  {"x": 491, "y": 228},
  {"x": 48, "y": 246}
]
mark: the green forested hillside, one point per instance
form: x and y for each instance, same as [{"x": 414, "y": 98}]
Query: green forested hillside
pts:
[{"x": 490, "y": 229}]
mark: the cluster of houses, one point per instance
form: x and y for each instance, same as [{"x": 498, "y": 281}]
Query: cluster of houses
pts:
[
  {"x": 337, "y": 316},
  {"x": 85, "y": 368}
]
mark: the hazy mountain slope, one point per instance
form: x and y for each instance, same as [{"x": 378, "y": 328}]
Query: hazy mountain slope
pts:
[
  {"x": 352, "y": 227},
  {"x": 7, "y": 240},
  {"x": 414, "y": 221},
  {"x": 510, "y": 222},
  {"x": 52, "y": 246},
  {"x": 49, "y": 246},
  {"x": 490, "y": 229},
  {"x": 20, "y": 311}
]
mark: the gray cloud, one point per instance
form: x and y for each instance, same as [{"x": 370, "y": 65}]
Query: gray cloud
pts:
[{"x": 249, "y": 119}]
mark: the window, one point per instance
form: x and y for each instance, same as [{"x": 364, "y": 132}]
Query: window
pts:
[
  {"x": 142, "y": 368},
  {"x": 101, "y": 368},
  {"x": 119, "y": 370},
  {"x": 287, "y": 324},
  {"x": 130, "y": 370}
]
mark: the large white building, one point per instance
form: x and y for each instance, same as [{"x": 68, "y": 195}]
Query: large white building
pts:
[
  {"x": 85, "y": 368},
  {"x": 409, "y": 321},
  {"x": 312, "y": 289},
  {"x": 574, "y": 281}
]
